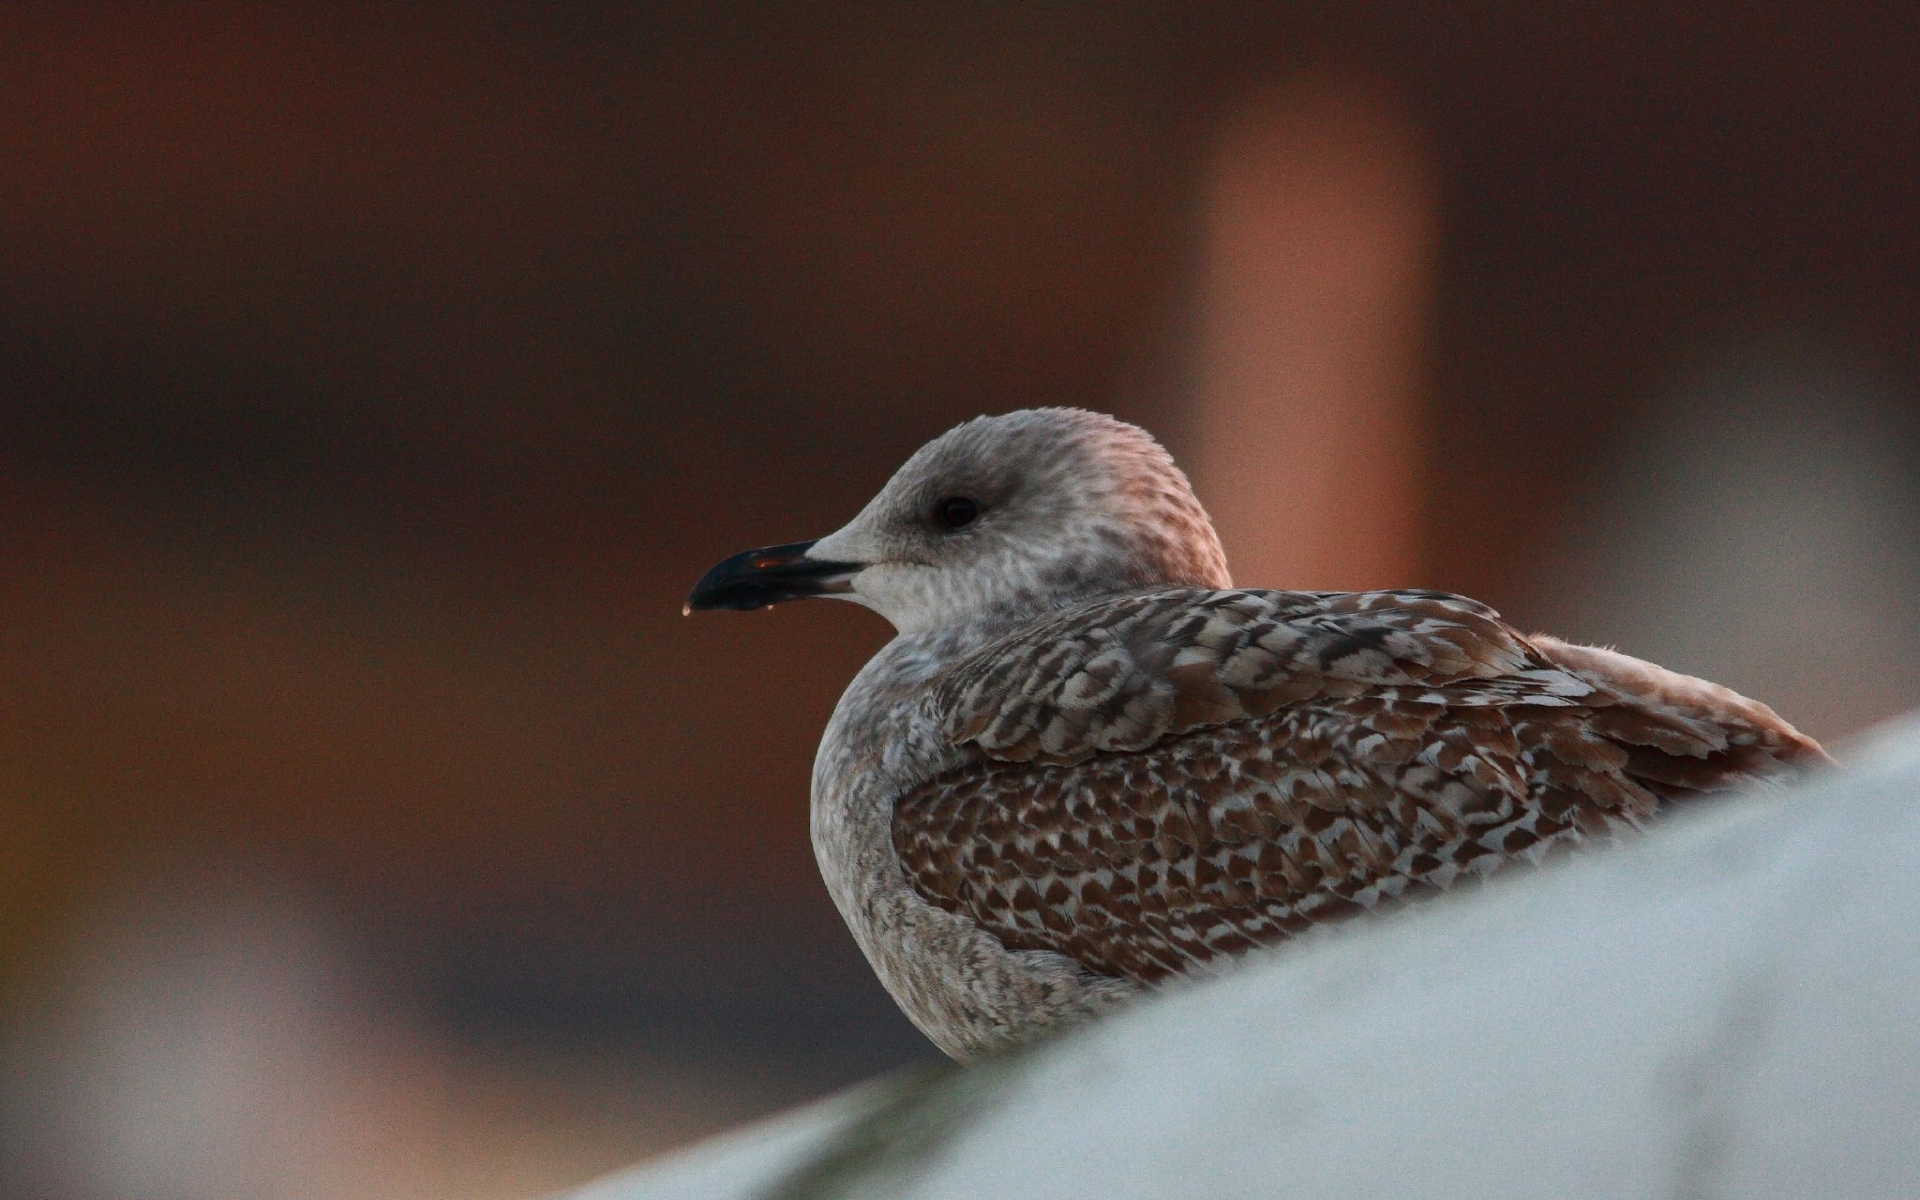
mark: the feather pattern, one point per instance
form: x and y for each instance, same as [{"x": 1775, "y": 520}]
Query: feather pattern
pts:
[{"x": 1164, "y": 779}]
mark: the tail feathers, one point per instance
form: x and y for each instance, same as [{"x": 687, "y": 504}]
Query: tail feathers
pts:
[{"x": 1685, "y": 736}]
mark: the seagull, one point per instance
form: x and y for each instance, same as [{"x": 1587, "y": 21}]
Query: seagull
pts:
[{"x": 1089, "y": 766}]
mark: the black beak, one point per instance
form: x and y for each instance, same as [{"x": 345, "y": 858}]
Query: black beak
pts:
[{"x": 759, "y": 578}]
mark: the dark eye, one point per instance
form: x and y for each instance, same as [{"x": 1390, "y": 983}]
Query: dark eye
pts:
[{"x": 957, "y": 512}]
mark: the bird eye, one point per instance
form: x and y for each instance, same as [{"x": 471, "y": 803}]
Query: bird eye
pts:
[{"x": 957, "y": 512}]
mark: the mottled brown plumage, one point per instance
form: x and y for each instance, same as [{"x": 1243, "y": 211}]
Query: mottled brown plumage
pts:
[{"x": 1173, "y": 777}]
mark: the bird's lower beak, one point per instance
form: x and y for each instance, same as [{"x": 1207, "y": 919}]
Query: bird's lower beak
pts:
[{"x": 763, "y": 577}]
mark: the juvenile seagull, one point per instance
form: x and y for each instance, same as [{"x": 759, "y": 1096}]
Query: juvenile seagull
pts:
[{"x": 1089, "y": 764}]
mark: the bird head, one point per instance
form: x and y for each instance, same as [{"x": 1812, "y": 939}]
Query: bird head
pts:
[{"x": 1002, "y": 517}]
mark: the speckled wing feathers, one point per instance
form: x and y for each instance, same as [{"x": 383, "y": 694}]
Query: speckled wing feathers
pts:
[
  {"x": 1122, "y": 672},
  {"x": 1165, "y": 779}
]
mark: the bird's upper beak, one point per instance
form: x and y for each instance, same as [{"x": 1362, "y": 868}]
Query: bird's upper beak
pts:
[{"x": 764, "y": 577}]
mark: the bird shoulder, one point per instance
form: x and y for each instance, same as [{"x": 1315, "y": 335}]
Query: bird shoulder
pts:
[{"x": 1122, "y": 672}]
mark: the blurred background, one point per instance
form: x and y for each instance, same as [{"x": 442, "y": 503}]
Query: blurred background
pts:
[{"x": 374, "y": 382}]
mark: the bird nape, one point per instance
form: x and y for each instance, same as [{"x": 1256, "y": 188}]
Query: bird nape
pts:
[{"x": 1088, "y": 764}]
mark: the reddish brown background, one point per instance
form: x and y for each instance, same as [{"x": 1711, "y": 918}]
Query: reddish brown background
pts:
[{"x": 375, "y": 381}]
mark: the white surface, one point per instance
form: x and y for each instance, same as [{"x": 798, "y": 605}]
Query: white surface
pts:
[{"x": 1730, "y": 1008}]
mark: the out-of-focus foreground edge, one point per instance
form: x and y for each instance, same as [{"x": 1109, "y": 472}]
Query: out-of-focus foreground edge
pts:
[{"x": 1730, "y": 1006}]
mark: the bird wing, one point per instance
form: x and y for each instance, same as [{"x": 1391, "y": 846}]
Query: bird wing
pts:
[{"x": 1167, "y": 778}]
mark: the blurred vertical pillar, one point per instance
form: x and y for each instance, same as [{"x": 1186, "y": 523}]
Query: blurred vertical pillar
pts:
[{"x": 1317, "y": 231}]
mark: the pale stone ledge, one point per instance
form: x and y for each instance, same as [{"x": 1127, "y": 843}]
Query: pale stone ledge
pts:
[{"x": 1729, "y": 1008}]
